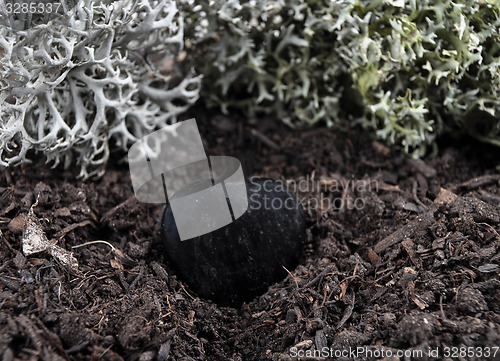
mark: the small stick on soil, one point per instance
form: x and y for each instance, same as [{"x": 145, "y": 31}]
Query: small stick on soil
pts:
[
  {"x": 70, "y": 228},
  {"x": 347, "y": 313},
  {"x": 264, "y": 139},
  {"x": 94, "y": 242},
  {"x": 137, "y": 279},
  {"x": 491, "y": 229},
  {"x": 105, "y": 352},
  {"x": 477, "y": 182},
  {"x": 415, "y": 197},
  {"x": 293, "y": 277},
  {"x": 109, "y": 214},
  {"x": 317, "y": 278},
  {"x": 418, "y": 226},
  {"x": 441, "y": 307}
]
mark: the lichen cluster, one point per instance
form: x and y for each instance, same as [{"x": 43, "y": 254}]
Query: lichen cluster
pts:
[
  {"x": 104, "y": 73},
  {"x": 80, "y": 84},
  {"x": 406, "y": 70}
]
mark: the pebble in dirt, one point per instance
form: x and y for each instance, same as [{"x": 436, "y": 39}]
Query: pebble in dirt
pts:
[{"x": 241, "y": 260}]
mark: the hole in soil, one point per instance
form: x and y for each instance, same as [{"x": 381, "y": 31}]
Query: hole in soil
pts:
[{"x": 239, "y": 261}]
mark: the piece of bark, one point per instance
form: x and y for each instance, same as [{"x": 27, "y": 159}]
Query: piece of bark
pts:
[{"x": 419, "y": 225}]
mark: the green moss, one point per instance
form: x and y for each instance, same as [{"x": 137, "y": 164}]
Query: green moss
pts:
[{"x": 420, "y": 67}]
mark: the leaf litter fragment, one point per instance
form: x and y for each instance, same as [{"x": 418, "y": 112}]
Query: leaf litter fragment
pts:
[{"x": 35, "y": 241}]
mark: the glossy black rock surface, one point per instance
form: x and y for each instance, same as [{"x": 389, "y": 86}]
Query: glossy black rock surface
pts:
[{"x": 241, "y": 260}]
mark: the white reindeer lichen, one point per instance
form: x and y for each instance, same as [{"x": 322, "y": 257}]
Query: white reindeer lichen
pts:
[{"x": 83, "y": 80}]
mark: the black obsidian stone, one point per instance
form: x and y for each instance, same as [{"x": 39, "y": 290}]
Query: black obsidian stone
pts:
[{"x": 241, "y": 260}]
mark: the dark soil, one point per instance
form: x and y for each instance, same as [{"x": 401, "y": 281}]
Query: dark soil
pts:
[{"x": 410, "y": 262}]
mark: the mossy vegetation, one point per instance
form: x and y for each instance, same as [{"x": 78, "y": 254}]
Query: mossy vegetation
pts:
[{"x": 104, "y": 73}]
